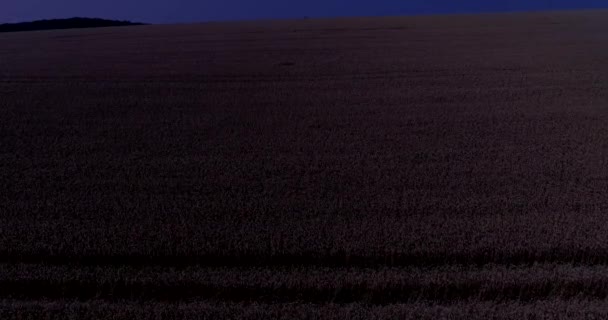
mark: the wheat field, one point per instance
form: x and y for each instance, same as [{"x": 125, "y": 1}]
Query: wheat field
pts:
[{"x": 359, "y": 168}]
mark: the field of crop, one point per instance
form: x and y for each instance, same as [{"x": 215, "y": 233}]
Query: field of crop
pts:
[{"x": 370, "y": 168}]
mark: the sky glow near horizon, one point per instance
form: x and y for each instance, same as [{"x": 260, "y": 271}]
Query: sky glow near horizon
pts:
[{"x": 184, "y": 11}]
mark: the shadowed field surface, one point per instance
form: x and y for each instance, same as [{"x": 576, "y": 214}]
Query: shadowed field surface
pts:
[
  {"x": 345, "y": 165},
  {"x": 380, "y": 286}
]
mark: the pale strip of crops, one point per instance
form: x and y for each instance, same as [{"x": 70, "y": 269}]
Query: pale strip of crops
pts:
[{"x": 100, "y": 310}]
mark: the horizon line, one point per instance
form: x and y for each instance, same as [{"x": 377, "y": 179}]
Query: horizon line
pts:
[{"x": 329, "y": 17}]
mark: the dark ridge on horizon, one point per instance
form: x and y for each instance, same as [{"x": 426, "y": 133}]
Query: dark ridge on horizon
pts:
[{"x": 70, "y": 23}]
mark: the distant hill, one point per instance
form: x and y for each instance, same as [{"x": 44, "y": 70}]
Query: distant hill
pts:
[{"x": 70, "y": 23}]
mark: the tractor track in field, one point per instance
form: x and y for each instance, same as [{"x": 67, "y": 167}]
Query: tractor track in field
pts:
[{"x": 374, "y": 286}]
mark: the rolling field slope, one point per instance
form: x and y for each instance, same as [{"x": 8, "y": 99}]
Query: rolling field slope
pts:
[{"x": 406, "y": 167}]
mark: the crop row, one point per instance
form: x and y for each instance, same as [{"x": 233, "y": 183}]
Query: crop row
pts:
[{"x": 313, "y": 285}]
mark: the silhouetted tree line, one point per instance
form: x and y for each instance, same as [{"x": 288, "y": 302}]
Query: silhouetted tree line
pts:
[{"x": 64, "y": 24}]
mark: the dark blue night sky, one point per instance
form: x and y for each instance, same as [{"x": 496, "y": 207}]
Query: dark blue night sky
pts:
[{"x": 167, "y": 11}]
